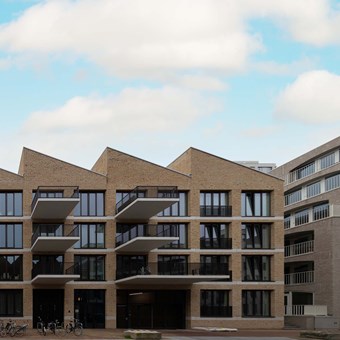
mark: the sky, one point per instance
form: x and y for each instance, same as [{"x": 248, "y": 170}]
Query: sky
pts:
[{"x": 242, "y": 79}]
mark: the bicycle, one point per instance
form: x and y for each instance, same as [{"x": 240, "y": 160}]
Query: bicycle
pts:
[
  {"x": 19, "y": 330},
  {"x": 76, "y": 327},
  {"x": 59, "y": 329},
  {"x": 41, "y": 326},
  {"x": 8, "y": 328}
]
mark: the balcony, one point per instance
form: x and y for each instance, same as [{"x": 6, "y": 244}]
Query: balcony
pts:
[
  {"x": 297, "y": 310},
  {"x": 54, "y": 203},
  {"x": 54, "y": 273},
  {"x": 299, "y": 278},
  {"x": 142, "y": 238},
  {"x": 145, "y": 202},
  {"x": 215, "y": 211},
  {"x": 299, "y": 248},
  {"x": 54, "y": 238},
  {"x": 172, "y": 273},
  {"x": 216, "y": 243}
]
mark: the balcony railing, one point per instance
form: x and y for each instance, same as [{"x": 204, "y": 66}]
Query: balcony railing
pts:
[
  {"x": 212, "y": 311},
  {"x": 216, "y": 243},
  {"x": 53, "y": 192},
  {"x": 216, "y": 210},
  {"x": 54, "y": 268},
  {"x": 299, "y": 248},
  {"x": 306, "y": 310},
  {"x": 299, "y": 278},
  {"x": 173, "y": 268},
  {"x": 55, "y": 230},
  {"x": 144, "y": 230},
  {"x": 147, "y": 192}
]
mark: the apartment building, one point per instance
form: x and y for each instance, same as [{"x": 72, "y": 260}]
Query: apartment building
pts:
[
  {"x": 312, "y": 234},
  {"x": 263, "y": 167},
  {"x": 131, "y": 244}
]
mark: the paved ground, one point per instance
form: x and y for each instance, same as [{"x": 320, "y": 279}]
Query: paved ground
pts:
[{"x": 101, "y": 334}]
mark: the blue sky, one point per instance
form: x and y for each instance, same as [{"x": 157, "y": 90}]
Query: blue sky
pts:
[{"x": 243, "y": 79}]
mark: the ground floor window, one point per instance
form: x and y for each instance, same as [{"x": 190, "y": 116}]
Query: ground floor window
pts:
[
  {"x": 11, "y": 302},
  {"x": 215, "y": 303},
  {"x": 256, "y": 303},
  {"x": 89, "y": 307}
]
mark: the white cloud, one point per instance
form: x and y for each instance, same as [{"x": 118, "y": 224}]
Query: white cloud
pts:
[
  {"x": 136, "y": 37},
  {"x": 142, "y": 118},
  {"x": 312, "y": 98}
]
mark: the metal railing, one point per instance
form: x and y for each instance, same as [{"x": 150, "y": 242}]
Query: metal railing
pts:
[
  {"x": 55, "y": 230},
  {"x": 216, "y": 210},
  {"x": 216, "y": 243},
  {"x": 147, "y": 192},
  {"x": 214, "y": 311},
  {"x": 144, "y": 230},
  {"x": 299, "y": 248},
  {"x": 54, "y": 268},
  {"x": 173, "y": 268},
  {"x": 55, "y": 192},
  {"x": 299, "y": 278}
]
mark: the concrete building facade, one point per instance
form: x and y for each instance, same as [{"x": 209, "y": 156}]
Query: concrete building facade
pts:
[
  {"x": 131, "y": 244},
  {"x": 312, "y": 234}
]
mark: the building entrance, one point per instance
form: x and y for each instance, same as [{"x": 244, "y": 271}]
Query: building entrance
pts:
[
  {"x": 151, "y": 309},
  {"x": 48, "y": 304}
]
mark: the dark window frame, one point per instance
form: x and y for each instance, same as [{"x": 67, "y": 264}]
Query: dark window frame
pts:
[
  {"x": 12, "y": 299},
  {"x": 207, "y": 233},
  {"x": 4, "y": 203},
  {"x": 255, "y": 262},
  {"x": 15, "y": 226},
  {"x": 79, "y": 244},
  {"x": 84, "y": 207},
  {"x": 209, "y": 307},
  {"x": 79, "y": 263},
  {"x": 252, "y": 229},
  {"x": 178, "y": 209},
  {"x": 174, "y": 230},
  {"x": 253, "y": 199},
  {"x": 257, "y": 309},
  {"x": 10, "y": 274}
]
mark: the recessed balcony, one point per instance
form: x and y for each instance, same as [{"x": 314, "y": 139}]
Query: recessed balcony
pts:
[
  {"x": 55, "y": 238},
  {"x": 301, "y": 248},
  {"x": 142, "y": 238},
  {"x": 298, "y": 310},
  {"x": 144, "y": 202},
  {"x": 54, "y": 273},
  {"x": 172, "y": 273},
  {"x": 54, "y": 203},
  {"x": 300, "y": 278}
]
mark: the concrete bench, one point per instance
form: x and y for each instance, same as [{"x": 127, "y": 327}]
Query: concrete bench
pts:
[{"x": 142, "y": 334}]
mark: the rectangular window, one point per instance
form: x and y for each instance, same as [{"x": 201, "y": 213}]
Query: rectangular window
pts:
[
  {"x": 174, "y": 230},
  {"x": 327, "y": 161},
  {"x": 332, "y": 182},
  {"x": 179, "y": 208},
  {"x": 91, "y": 204},
  {"x": 256, "y": 268},
  {"x": 214, "y": 265},
  {"x": 255, "y": 204},
  {"x": 215, "y": 303},
  {"x": 256, "y": 236},
  {"x": 91, "y": 236},
  {"x": 172, "y": 265},
  {"x": 11, "y": 303},
  {"x": 90, "y": 267},
  {"x": 215, "y": 236},
  {"x": 305, "y": 171},
  {"x": 10, "y": 203},
  {"x": 293, "y": 197},
  {"x": 301, "y": 217},
  {"x": 321, "y": 211},
  {"x": 47, "y": 265},
  {"x": 313, "y": 189},
  {"x": 256, "y": 303},
  {"x": 214, "y": 204},
  {"x": 130, "y": 265},
  {"x": 11, "y": 235},
  {"x": 10, "y": 267}
]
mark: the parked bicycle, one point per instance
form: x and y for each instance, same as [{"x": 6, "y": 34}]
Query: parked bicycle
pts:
[
  {"x": 41, "y": 328},
  {"x": 11, "y": 329},
  {"x": 74, "y": 326},
  {"x": 19, "y": 330}
]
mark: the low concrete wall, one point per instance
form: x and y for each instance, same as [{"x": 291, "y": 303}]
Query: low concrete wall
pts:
[{"x": 313, "y": 322}]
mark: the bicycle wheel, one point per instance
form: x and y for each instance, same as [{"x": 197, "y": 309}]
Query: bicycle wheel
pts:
[
  {"x": 69, "y": 328},
  {"x": 78, "y": 330},
  {"x": 21, "y": 331}
]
